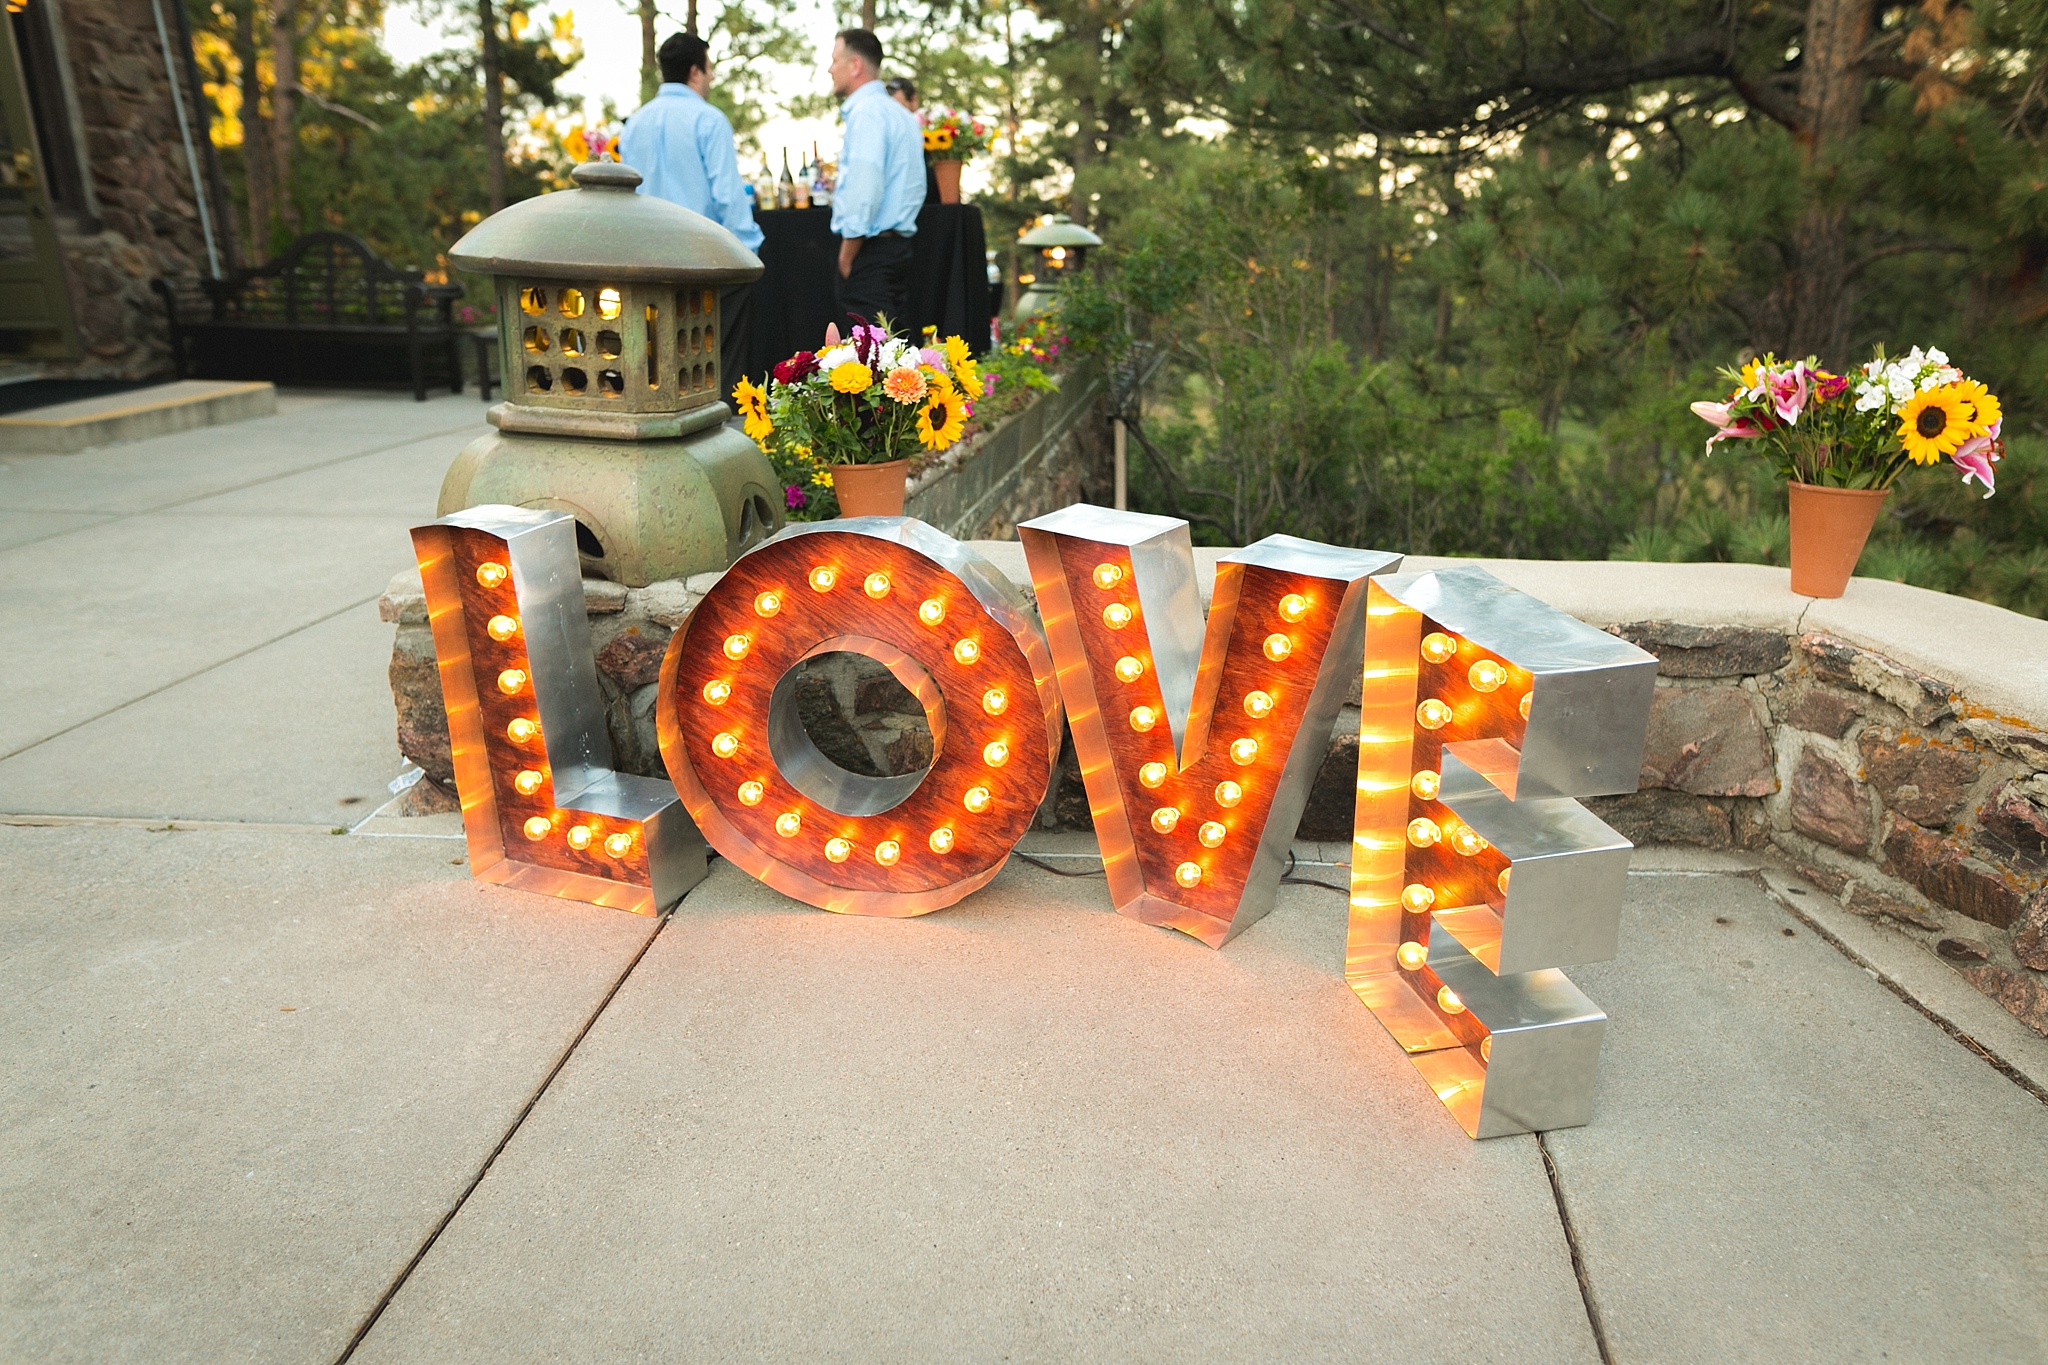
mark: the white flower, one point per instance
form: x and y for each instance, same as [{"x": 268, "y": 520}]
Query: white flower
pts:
[
  {"x": 1874, "y": 368},
  {"x": 1933, "y": 379},
  {"x": 1900, "y": 386},
  {"x": 834, "y": 358},
  {"x": 1870, "y": 397},
  {"x": 898, "y": 353},
  {"x": 1936, "y": 358}
]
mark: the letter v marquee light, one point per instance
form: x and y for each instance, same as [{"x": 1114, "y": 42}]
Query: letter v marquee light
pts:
[
  {"x": 1474, "y": 874},
  {"x": 1188, "y": 742}
]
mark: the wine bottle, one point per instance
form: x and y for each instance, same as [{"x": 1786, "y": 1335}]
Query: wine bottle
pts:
[
  {"x": 821, "y": 189},
  {"x": 785, "y": 188},
  {"x": 802, "y": 187}
]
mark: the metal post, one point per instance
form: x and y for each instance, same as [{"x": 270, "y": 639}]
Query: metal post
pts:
[{"x": 1123, "y": 467}]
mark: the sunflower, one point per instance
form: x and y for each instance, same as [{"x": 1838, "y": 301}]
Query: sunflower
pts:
[
  {"x": 964, "y": 367},
  {"x": 852, "y": 377},
  {"x": 1935, "y": 422},
  {"x": 940, "y": 420},
  {"x": 753, "y": 405},
  {"x": 1983, "y": 405}
]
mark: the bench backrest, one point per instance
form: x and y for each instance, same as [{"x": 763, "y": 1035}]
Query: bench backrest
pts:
[{"x": 324, "y": 278}]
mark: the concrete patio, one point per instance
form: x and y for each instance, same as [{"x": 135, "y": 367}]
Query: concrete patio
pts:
[{"x": 279, "y": 1082}]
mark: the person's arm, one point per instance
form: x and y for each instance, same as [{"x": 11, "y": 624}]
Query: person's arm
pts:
[
  {"x": 721, "y": 161},
  {"x": 858, "y": 199}
]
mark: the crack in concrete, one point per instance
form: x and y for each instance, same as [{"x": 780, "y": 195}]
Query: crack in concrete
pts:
[{"x": 1571, "y": 1242}]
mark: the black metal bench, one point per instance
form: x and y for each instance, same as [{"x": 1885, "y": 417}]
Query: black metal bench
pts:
[{"x": 329, "y": 310}]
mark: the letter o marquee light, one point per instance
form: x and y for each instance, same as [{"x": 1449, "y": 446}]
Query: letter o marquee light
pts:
[{"x": 950, "y": 627}]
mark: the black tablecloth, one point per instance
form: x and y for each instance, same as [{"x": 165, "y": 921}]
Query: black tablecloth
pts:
[{"x": 793, "y": 299}]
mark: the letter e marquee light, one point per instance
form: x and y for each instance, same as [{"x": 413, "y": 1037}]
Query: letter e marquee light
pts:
[
  {"x": 1187, "y": 741},
  {"x": 541, "y": 806},
  {"x": 1474, "y": 874},
  {"x": 954, "y": 631}
]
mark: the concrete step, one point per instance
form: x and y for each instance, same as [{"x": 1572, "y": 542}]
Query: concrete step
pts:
[{"x": 137, "y": 415}]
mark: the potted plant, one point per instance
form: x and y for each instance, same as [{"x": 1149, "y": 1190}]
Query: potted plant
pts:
[
  {"x": 950, "y": 137},
  {"x": 853, "y": 415},
  {"x": 1841, "y": 441}
]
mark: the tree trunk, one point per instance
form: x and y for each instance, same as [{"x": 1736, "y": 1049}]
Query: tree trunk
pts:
[
  {"x": 256, "y": 153},
  {"x": 650, "y": 64},
  {"x": 284, "y": 84},
  {"x": 690, "y": 18},
  {"x": 494, "y": 104},
  {"x": 867, "y": 15},
  {"x": 1815, "y": 292},
  {"x": 1083, "y": 153}
]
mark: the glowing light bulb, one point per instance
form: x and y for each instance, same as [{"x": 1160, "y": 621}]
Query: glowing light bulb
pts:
[
  {"x": 1244, "y": 752},
  {"x": 1278, "y": 647},
  {"x": 1211, "y": 834},
  {"x": 888, "y": 852},
  {"x": 1486, "y": 675},
  {"x": 823, "y": 578},
  {"x": 995, "y": 701},
  {"x": 1189, "y": 875},
  {"x": 1417, "y": 898},
  {"x": 1423, "y": 832},
  {"x": 718, "y": 691},
  {"x": 1426, "y": 785},
  {"x": 1467, "y": 840},
  {"x": 1228, "y": 794},
  {"x": 1108, "y": 576},
  {"x": 931, "y": 611},
  {"x": 1486, "y": 1049},
  {"x": 538, "y": 826},
  {"x": 1412, "y": 955},
  {"x": 581, "y": 837},
  {"x": 995, "y": 753},
  {"x": 1293, "y": 607},
  {"x": 725, "y": 744},
  {"x": 528, "y": 782},
  {"x": 1433, "y": 714},
  {"x": 1116, "y": 616},
  {"x": 521, "y": 730},
  {"x": 837, "y": 850},
  {"x": 1165, "y": 818},
  {"x": 1152, "y": 774},
  {"x": 607, "y": 303},
  {"x": 788, "y": 824},
  {"x": 736, "y": 646},
  {"x": 492, "y": 574},
  {"x": 511, "y": 680},
  {"x": 1523, "y": 705},
  {"x": 750, "y": 793},
  {"x": 767, "y": 604},
  {"x": 941, "y": 840},
  {"x": 1502, "y": 880},
  {"x": 1258, "y": 705},
  {"x": 1447, "y": 1000},
  {"x": 1129, "y": 669},
  {"x": 1437, "y": 646},
  {"x": 966, "y": 651},
  {"x": 977, "y": 800},
  {"x": 1143, "y": 718},
  {"x": 876, "y": 586},
  {"x": 618, "y": 845},
  {"x": 502, "y": 628}
]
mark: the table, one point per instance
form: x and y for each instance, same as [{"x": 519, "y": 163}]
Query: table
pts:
[{"x": 793, "y": 299}]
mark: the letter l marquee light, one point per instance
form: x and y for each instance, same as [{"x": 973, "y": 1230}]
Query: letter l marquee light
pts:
[
  {"x": 1188, "y": 744},
  {"x": 541, "y": 806},
  {"x": 1474, "y": 874}
]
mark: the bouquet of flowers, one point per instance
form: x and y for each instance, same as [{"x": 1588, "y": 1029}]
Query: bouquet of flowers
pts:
[
  {"x": 1861, "y": 430},
  {"x": 869, "y": 399},
  {"x": 950, "y": 135},
  {"x": 590, "y": 144}
]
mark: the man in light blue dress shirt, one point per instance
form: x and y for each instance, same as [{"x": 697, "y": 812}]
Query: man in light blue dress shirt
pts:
[
  {"x": 880, "y": 189},
  {"x": 683, "y": 148}
]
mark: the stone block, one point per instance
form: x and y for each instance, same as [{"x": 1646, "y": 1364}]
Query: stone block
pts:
[
  {"x": 1924, "y": 781},
  {"x": 404, "y": 601},
  {"x": 1829, "y": 804},
  {"x": 2015, "y": 820},
  {"x": 1333, "y": 799},
  {"x": 1667, "y": 817},
  {"x": 601, "y": 597},
  {"x": 664, "y": 603},
  {"x": 426, "y": 797},
  {"x": 1871, "y": 903},
  {"x": 1707, "y": 741},
  {"x": 1708, "y": 651},
  {"x": 1828, "y": 879},
  {"x": 1947, "y": 874},
  {"x": 2030, "y": 932},
  {"x": 1925, "y": 700},
  {"x": 632, "y": 659},
  {"x": 2028, "y": 746},
  {"x": 2024, "y": 995},
  {"x": 416, "y": 695},
  {"x": 1823, "y": 713}
]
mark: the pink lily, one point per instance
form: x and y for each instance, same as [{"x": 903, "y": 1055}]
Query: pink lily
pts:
[
  {"x": 1731, "y": 427},
  {"x": 831, "y": 334},
  {"x": 1976, "y": 456},
  {"x": 1789, "y": 392}
]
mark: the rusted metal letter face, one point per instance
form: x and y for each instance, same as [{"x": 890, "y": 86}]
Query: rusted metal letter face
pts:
[
  {"x": 1474, "y": 875},
  {"x": 955, "y": 632},
  {"x": 541, "y": 806},
  {"x": 1187, "y": 740}
]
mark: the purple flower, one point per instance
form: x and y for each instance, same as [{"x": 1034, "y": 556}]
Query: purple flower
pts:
[
  {"x": 932, "y": 358},
  {"x": 795, "y": 498}
]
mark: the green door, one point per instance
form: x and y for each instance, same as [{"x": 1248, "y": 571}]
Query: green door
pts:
[{"x": 35, "y": 307}]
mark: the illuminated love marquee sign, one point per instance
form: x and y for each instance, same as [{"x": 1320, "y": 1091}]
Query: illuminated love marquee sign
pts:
[{"x": 1484, "y": 714}]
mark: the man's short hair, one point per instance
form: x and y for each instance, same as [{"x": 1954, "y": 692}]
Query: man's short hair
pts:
[
  {"x": 901, "y": 85},
  {"x": 864, "y": 45},
  {"x": 682, "y": 54}
]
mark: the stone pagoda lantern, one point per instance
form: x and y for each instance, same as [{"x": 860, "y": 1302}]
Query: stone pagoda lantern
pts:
[
  {"x": 608, "y": 338},
  {"x": 1059, "y": 245}
]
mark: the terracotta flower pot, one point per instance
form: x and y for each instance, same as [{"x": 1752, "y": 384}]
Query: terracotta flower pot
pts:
[
  {"x": 1829, "y": 526},
  {"x": 871, "y": 490},
  {"x": 947, "y": 173}
]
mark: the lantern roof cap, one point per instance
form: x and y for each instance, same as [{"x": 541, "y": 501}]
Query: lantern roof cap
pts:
[
  {"x": 1059, "y": 230},
  {"x": 602, "y": 229}
]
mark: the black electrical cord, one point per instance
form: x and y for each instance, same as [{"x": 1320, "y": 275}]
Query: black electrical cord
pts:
[
  {"x": 1056, "y": 871},
  {"x": 1292, "y": 880}
]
